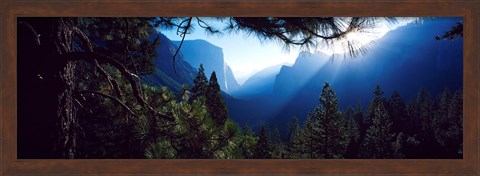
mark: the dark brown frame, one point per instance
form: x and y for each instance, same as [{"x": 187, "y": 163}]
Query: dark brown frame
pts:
[{"x": 9, "y": 10}]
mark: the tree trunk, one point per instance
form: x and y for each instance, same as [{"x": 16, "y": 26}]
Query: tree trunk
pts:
[{"x": 67, "y": 112}]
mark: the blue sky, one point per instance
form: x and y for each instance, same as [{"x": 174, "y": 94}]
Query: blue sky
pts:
[{"x": 247, "y": 55}]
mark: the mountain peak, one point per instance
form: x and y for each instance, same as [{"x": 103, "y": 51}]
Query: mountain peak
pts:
[{"x": 307, "y": 59}]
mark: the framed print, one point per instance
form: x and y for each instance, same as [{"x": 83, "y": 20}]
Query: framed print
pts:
[{"x": 207, "y": 87}]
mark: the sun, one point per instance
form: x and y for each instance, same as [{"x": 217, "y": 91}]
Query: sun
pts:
[
  {"x": 356, "y": 36},
  {"x": 357, "y": 39}
]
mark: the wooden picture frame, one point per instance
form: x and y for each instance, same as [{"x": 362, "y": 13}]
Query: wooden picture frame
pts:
[{"x": 9, "y": 10}]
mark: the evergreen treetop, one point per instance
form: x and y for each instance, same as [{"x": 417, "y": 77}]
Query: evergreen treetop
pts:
[
  {"x": 200, "y": 84},
  {"x": 215, "y": 103}
]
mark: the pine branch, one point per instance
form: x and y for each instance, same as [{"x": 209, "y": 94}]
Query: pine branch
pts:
[
  {"x": 90, "y": 57},
  {"x": 113, "y": 84},
  {"x": 116, "y": 100},
  {"x": 182, "y": 34}
]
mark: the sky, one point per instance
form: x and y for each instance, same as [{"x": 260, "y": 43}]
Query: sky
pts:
[{"x": 247, "y": 55}]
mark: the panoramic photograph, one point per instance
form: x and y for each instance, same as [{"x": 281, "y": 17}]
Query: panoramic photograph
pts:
[{"x": 239, "y": 87}]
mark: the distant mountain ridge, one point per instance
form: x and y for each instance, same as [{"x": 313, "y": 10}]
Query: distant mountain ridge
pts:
[
  {"x": 299, "y": 73},
  {"x": 197, "y": 52},
  {"x": 260, "y": 83},
  {"x": 405, "y": 59}
]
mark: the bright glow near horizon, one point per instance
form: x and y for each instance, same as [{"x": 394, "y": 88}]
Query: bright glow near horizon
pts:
[{"x": 247, "y": 55}]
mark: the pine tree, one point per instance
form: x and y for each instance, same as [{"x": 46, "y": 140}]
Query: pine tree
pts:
[
  {"x": 215, "y": 103},
  {"x": 421, "y": 111},
  {"x": 248, "y": 142},
  {"x": 297, "y": 147},
  {"x": 358, "y": 115},
  {"x": 263, "y": 146},
  {"x": 454, "y": 144},
  {"x": 377, "y": 99},
  {"x": 294, "y": 139},
  {"x": 440, "y": 121},
  {"x": 326, "y": 127},
  {"x": 246, "y": 130},
  {"x": 377, "y": 142},
  {"x": 425, "y": 115},
  {"x": 200, "y": 84},
  {"x": 447, "y": 124},
  {"x": 353, "y": 133},
  {"x": 229, "y": 139},
  {"x": 293, "y": 126},
  {"x": 310, "y": 137},
  {"x": 398, "y": 113},
  {"x": 335, "y": 140},
  {"x": 278, "y": 150},
  {"x": 194, "y": 134},
  {"x": 378, "y": 138}
]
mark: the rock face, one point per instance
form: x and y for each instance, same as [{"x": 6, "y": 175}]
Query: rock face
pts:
[
  {"x": 197, "y": 52},
  {"x": 230, "y": 81}
]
